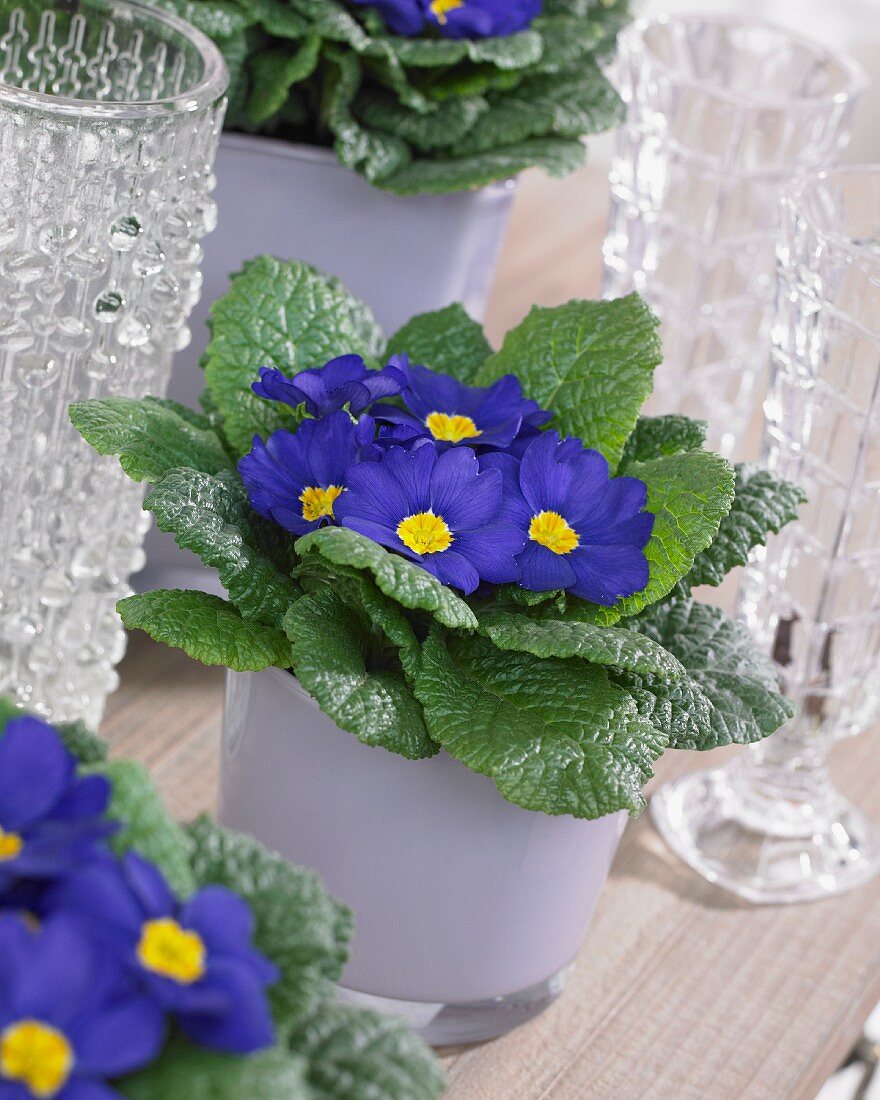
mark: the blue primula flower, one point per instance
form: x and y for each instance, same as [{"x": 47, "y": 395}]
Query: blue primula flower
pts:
[
  {"x": 51, "y": 820},
  {"x": 195, "y": 960},
  {"x": 69, "y": 1020},
  {"x": 448, "y": 411},
  {"x": 343, "y": 381},
  {"x": 436, "y": 509},
  {"x": 457, "y": 18},
  {"x": 585, "y": 531},
  {"x": 295, "y": 479}
]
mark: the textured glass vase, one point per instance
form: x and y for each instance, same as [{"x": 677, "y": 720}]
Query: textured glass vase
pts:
[
  {"x": 109, "y": 117},
  {"x": 771, "y": 826},
  {"x": 722, "y": 113}
]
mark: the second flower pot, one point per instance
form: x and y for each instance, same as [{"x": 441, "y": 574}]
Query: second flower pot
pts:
[{"x": 468, "y": 910}]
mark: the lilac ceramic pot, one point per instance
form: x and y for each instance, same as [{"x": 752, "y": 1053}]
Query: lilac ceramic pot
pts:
[{"x": 468, "y": 910}]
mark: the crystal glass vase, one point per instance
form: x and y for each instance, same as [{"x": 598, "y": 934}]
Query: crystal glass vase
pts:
[
  {"x": 109, "y": 117},
  {"x": 771, "y": 826},
  {"x": 721, "y": 113}
]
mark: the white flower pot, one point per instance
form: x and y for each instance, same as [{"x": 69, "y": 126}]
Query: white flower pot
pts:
[
  {"x": 402, "y": 256},
  {"x": 468, "y": 910}
]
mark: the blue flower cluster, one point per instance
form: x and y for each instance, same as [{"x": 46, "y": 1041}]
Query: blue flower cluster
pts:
[
  {"x": 466, "y": 481},
  {"x": 457, "y": 18},
  {"x": 97, "y": 956}
]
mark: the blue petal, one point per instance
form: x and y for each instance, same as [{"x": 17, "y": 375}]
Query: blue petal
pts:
[
  {"x": 86, "y": 797},
  {"x": 276, "y": 386},
  {"x": 543, "y": 571},
  {"x": 545, "y": 475},
  {"x": 331, "y": 448},
  {"x": 492, "y": 551},
  {"x": 463, "y": 496},
  {"x": 225, "y": 923},
  {"x": 513, "y": 506},
  {"x": 101, "y": 894},
  {"x": 453, "y": 569},
  {"x": 86, "y": 1090},
  {"x": 246, "y": 1027},
  {"x": 342, "y": 369},
  {"x": 148, "y": 885},
  {"x": 56, "y": 973},
  {"x": 118, "y": 1038},
  {"x": 35, "y": 769},
  {"x": 608, "y": 573},
  {"x": 620, "y": 499}
]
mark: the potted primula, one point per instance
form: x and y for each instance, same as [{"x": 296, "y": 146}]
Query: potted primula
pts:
[
  {"x": 376, "y": 140},
  {"x": 381, "y": 142},
  {"x": 148, "y": 960},
  {"x": 459, "y": 624}
]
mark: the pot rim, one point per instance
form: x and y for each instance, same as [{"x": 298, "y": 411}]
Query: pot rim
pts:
[{"x": 322, "y": 155}]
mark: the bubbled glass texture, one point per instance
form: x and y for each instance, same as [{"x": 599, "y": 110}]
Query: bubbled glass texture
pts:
[
  {"x": 101, "y": 211},
  {"x": 721, "y": 114}
]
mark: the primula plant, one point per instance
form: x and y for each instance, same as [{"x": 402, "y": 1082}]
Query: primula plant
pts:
[
  {"x": 486, "y": 552},
  {"x": 420, "y": 95},
  {"x": 142, "y": 959}
]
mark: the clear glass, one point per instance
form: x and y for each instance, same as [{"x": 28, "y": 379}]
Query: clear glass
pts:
[
  {"x": 771, "y": 826},
  {"x": 722, "y": 113},
  {"x": 109, "y": 117}
]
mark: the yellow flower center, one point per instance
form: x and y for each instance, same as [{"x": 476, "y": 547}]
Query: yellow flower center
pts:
[
  {"x": 550, "y": 530},
  {"x": 11, "y": 845},
  {"x": 172, "y": 951},
  {"x": 439, "y": 8},
  {"x": 36, "y": 1055},
  {"x": 451, "y": 429},
  {"x": 425, "y": 533},
  {"x": 318, "y": 502}
]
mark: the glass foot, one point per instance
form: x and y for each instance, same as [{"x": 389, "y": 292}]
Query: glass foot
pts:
[
  {"x": 444, "y": 1025},
  {"x": 756, "y": 843}
]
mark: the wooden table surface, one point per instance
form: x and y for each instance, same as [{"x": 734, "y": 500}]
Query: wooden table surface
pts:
[{"x": 680, "y": 991}]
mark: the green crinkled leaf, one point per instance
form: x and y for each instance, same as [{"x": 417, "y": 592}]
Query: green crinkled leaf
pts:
[
  {"x": 600, "y": 645},
  {"x": 280, "y": 18},
  {"x": 357, "y": 589},
  {"x": 763, "y": 505},
  {"x": 513, "y": 51},
  {"x": 78, "y": 739},
  {"x": 556, "y": 156},
  {"x": 447, "y": 340},
  {"x": 211, "y": 516},
  {"x": 189, "y": 1072},
  {"x": 274, "y": 73},
  {"x": 207, "y": 628},
  {"x": 297, "y": 924},
  {"x": 149, "y": 436},
  {"x": 592, "y": 363},
  {"x": 402, "y": 580},
  {"x": 730, "y": 695},
  {"x": 439, "y": 128},
  {"x": 340, "y": 661},
  {"x": 583, "y": 102},
  {"x": 372, "y": 152},
  {"x": 688, "y": 494},
  {"x": 525, "y": 597},
  {"x": 656, "y": 436},
  {"x": 148, "y": 828},
  {"x": 280, "y": 314},
  {"x": 555, "y": 735},
  {"x": 358, "y": 1055}
]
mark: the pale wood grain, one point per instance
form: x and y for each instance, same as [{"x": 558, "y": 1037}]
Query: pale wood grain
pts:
[{"x": 680, "y": 992}]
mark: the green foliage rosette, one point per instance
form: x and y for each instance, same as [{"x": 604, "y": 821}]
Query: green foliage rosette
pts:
[
  {"x": 420, "y": 112},
  {"x": 229, "y": 995},
  {"x": 564, "y": 701}
]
